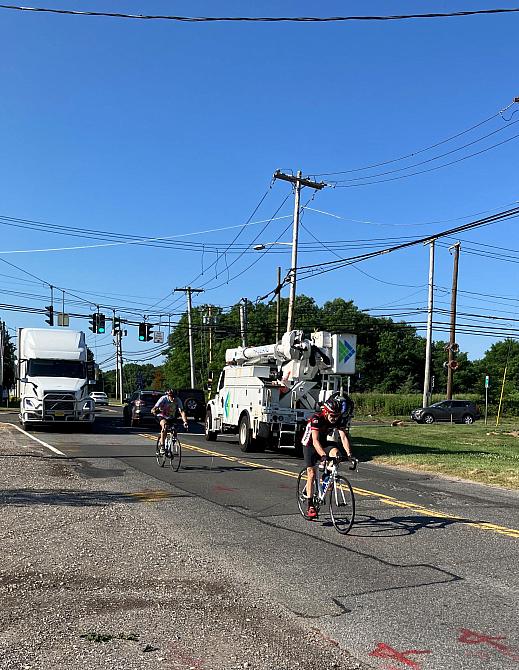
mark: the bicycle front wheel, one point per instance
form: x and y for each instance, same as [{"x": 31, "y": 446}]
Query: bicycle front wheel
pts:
[
  {"x": 160, "y": 454},
  {"x": 342, "y": 505},
  {"x": 175, "y": 453}
]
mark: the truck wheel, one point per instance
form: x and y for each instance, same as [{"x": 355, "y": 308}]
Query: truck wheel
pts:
[
  {"x": 210, "y": 435},
  {"x": 244, "y": 434}
]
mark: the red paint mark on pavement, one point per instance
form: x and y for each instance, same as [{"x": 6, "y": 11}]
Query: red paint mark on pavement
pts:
[
  {"x": 184, "y": 659},
  {"x": 383, "y": 650},
  {"x": 471, "y": 637},
  {"x": 220, "y": 487}
]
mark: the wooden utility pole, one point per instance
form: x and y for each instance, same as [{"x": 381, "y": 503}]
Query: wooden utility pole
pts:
[
  {"x": 428, "y": 345},
  {"x": 278, "y": 307},
  {"x": 188, "y": 290},
  {"x": 299, "y": 182},
  {"x": 452, "y": 340}
]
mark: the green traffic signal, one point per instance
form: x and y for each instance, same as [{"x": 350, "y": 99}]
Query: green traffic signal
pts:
[{"x": 142, "y": 332}]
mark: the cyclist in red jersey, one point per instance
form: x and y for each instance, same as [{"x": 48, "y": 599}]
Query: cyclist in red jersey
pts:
[{"x": 334, "y": 414}]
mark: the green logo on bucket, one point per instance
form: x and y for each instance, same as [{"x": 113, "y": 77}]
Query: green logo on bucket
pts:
[{"x": 346, "y": 351}]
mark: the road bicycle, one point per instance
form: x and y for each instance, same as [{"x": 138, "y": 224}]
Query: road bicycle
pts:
[
  {"x": 172, "y": 449},
  {"x": 332, "y": 489}
]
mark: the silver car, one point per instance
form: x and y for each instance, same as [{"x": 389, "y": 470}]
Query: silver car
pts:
[{"x": 99, "y": 398}]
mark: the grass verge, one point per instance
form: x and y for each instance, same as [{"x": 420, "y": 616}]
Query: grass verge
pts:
[{"x": 480, "y": 453}]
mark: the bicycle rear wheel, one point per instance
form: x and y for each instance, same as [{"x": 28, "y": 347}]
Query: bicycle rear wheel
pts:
[
  {"x": 175, "y": 452},
  {"x": 342, "y": 505},
  {"x": 160, "y": 454},
  {"x": 302, "y": 501}
]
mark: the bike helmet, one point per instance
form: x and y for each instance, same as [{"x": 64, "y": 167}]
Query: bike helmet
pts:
[{"x": 332, "y": 410}]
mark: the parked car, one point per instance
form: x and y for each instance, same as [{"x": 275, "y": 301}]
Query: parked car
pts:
[
  {"x": 458, "y": 411},
  {"x": 137, "y": 407},
  {"x": 99, "y": 398}
]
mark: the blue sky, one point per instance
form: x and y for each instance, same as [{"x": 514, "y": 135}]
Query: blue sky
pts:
[{"x": 162, "y": 129}]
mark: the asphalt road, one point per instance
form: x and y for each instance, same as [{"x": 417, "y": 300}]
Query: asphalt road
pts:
[{"x": 427, "y": 578}]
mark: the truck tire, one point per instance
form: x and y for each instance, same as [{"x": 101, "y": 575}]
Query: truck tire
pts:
[
  {"x": 245, "y": 436},
  {"x": 210, "y": 435}
]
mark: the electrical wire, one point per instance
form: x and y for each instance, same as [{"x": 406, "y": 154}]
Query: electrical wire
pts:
[
  {"x": 262, "y": 19},
  {"x": 429, "y": 160},
  {"x": 432, "y": 169},
  {"x": 314, "y": 268}
]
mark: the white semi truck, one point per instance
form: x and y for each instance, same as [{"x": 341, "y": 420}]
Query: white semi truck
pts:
[
  {"x": 267, "y": 393},
  {"x": 53, "y": 377}
]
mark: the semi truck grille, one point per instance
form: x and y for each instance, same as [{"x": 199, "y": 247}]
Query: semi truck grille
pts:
[{"x": 59, "y": 402}]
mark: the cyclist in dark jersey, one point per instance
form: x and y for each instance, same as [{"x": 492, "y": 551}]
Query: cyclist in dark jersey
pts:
[{"x": 336, "y": 414}]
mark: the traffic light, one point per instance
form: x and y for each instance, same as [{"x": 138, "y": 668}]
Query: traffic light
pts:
[
  {"x": 94, "y": 320},
  {"x": 49, "y": 313},
  {"x": 101, "y": 323},
  {"x": 116, "y": 324},
  {"x": 145, "y": 333}
]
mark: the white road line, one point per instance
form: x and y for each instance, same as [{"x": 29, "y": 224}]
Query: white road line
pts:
[{"x": 49, "y": 446}]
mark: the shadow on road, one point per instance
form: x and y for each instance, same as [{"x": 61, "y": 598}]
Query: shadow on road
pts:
[{"x": 77, "y": 498}]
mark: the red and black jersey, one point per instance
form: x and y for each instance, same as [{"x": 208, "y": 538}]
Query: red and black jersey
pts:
[{"x": 319, "y": 422}]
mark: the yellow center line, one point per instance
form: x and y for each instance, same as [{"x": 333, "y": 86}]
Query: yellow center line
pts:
[{"x": 387, "y": 500}]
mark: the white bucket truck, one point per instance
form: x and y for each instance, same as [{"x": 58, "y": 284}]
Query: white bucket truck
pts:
[
  {"x": 53, "y": 377},
  {"x": 267, "y": 393}
]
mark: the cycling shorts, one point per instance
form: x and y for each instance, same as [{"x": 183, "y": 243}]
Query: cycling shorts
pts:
[{"x": 171, "y": 420}]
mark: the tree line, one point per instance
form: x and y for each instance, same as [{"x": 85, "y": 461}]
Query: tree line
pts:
[{"x": 390, "y": 354}]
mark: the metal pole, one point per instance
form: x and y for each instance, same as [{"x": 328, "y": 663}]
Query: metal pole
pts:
[
  {"x": 188, "y": 290},
  {"x": 486, "y": 404},
  {"x": 190, "y": 335},
  {"x": 452, "y": 339},
  {"x": 121, "y": 377},
  {"x": 243, "y": 321},
  {"x": 428, "y": 345},
  {"x": 278, "y": 307},
  {"x": 295, "y": 234},
  {"x": 116, "y": 342}
]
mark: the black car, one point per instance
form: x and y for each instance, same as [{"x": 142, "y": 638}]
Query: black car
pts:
[
  {"x": 457, "y": 411},
  {"x": 137, "y": 407}
]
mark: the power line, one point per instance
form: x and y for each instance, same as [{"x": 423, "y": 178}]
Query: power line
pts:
[
  {"x": 311, "y": 270},
  {"x": 429, "y": 160},
  {"x": 432, "y": 169},
  {"x": 261, "y": 19}
]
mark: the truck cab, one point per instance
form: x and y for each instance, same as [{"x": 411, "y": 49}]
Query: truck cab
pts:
[{"x": 53, "y": 378}]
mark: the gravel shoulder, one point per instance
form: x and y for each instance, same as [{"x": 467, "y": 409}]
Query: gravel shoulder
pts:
[{"x": 94, "y": 574}]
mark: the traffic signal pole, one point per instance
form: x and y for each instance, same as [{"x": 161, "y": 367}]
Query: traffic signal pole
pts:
[{"x": 188, "y": 290}]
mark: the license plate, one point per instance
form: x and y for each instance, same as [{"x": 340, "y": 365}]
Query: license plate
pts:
[{"x": 59, "y": 413}]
